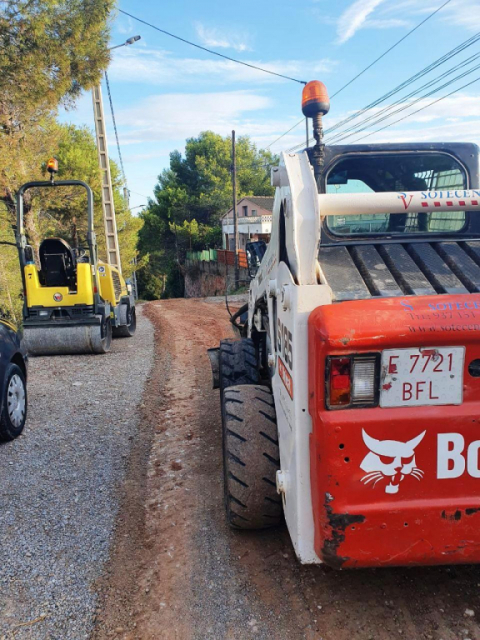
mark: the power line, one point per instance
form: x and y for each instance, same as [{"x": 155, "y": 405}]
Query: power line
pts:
[
  {"x": 284, "y": 134},
  {"x": 383, "y": 114},
  {"x": 372, "y": 64},
  {"x": 141, "y": 194},
  {"x": 377, "y": 117},
  {"x": 391, "y": 48},
  {"x": 421, "y": 109},
  {"x": 122, "y": 168},
  {"x": 215, "y": 53},
  {"x": 420, "y": 74}
]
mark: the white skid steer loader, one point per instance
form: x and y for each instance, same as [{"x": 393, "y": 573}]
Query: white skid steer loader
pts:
[{"x": 351, "y": 403}]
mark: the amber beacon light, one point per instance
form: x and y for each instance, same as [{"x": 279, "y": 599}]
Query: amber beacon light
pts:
[
  {"x": 315, "y": 99},
  {"x": 316, "y": 104},
  {"x": 52, "y": 165}
]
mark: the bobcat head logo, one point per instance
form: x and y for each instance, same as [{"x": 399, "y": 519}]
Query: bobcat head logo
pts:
[{"x": 390, "y": 460}]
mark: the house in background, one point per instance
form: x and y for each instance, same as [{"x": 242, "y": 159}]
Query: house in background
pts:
[{"x": 254, "y": 218}]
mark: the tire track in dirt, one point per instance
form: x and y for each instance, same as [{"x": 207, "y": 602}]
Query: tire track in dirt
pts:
[{"x": 178, "y": 572}]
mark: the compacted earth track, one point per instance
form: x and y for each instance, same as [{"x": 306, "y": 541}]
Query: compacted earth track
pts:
[{"x": 177, "y": 572}]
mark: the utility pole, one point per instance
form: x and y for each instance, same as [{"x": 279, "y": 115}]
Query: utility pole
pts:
[
  {"x": 235, "y": 222},
  {"x": 109, "y": 220}
]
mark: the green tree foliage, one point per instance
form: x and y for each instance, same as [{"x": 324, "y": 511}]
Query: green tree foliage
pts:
[
  {"x": 51, "y": 49},
  {"x": 190, "y": 197},
  {"x": 55, "y": 212}
]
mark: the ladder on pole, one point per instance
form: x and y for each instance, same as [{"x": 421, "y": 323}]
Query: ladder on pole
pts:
[{"x": 109, "y": 221}]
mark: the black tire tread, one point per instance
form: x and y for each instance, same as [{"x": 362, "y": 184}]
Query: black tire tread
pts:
[
  {"x": 238, "y": 363},
  {"x": 251, "y": 457}
]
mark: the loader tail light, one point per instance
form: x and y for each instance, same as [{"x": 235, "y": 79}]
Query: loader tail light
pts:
[
  {"x": 352, "y": 381},
  {"x": 340, "y": 381}
]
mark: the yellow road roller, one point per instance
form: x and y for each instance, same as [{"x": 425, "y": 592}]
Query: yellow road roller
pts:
[{"x": 73, "y": 303}]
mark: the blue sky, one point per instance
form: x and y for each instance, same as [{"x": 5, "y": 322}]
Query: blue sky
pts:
[{"x": 165, "y": 91}]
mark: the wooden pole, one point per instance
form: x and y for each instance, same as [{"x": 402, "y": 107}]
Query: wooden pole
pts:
[{"x": 234, "y": 199}]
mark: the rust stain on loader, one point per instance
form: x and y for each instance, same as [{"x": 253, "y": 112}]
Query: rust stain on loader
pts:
[{"x": 336, "y": 523}]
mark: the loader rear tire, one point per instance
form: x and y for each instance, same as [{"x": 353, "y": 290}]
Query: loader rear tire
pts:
[
  {"x": 251, "y": 458},
  {"x": 126, "y": 330},
  {"x": 238, "y": 363}
]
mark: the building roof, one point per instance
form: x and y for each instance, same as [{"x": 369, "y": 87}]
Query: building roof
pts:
[{"x": 266, "y": 202}]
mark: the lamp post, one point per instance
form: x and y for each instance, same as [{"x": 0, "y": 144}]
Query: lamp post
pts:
[{"x": 109, "y": 221}]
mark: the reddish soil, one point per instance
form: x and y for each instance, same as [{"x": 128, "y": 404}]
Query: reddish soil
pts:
[{"x": 177, "y": 571}]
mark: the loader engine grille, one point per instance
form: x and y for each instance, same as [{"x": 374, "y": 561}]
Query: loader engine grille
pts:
[
  {"x": 360, "y": 271},
  {"x": 117, "y": 285}
]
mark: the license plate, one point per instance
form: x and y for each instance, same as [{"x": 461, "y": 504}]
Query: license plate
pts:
[{"x": 424, "y": 376}]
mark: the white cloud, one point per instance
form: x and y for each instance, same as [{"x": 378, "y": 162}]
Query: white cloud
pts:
[
  {"x": 177, "y": 116},
  {"x": 124, "y": 25},
  {"x": 353, "y": 18},
  {"x": 403, "y": 14},
  {"x": 464, "y": 13},
  {"x": 457, "y": 117},
  {"x": 156, "y": 67},
  {"x": 385, "y": 23},
  {"x": 221, "y": 39}
]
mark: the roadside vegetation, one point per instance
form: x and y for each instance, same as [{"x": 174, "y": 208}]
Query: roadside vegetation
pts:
[
  {"x": 189, "y": 199},
  {"x": 51, "y": 51}
]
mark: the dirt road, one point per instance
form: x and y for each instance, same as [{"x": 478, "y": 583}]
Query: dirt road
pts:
[{"x": 177, "y": 571}]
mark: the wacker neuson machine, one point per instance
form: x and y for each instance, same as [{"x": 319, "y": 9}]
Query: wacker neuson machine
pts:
[
  {"x": 73, "y": 303},
  {"x": 351, "y": 404}
]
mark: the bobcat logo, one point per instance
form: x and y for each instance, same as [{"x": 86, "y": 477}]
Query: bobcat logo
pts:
[{"x": 390, "y": 460}]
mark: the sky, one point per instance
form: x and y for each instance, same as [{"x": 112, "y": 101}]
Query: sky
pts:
[{"x": 165, "y": 91}]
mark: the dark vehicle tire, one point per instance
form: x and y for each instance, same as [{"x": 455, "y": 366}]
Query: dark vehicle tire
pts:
[
  {"x": 238, "y": 363},
  {"x": 127, "y": 330},
  {"x": 251, "y": 458},
  {"x": 14, "y": 413}
]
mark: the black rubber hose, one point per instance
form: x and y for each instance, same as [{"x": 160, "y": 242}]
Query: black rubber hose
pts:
[{"x": 238, "y": 313}]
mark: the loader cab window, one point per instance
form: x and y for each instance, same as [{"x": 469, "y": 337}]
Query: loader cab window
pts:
[{"x": 397, "y": 172}]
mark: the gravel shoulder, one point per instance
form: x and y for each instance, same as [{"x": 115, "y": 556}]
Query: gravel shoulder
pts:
[
  {"x": 60, "y": 487},
  {"x": 182, "y": 574}
]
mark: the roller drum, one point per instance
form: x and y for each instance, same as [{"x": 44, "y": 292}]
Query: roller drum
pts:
[{"x": 43, "y": 341}]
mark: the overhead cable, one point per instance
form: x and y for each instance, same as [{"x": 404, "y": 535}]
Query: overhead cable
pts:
[
  {"x": 371, "y": 64},
  {"x": 215, "y": 53},
  {"x": 420, "y": 74},
  {"x": 391, "y": 48},
  {"x": 384, "y": 114},
  {"x": 421, "y": 109},
  {"x": 402, "y": 104},
  {"x": 122, "y": 168}
]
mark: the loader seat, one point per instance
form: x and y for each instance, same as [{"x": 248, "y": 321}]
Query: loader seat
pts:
[{"x": 58, "y": 263}]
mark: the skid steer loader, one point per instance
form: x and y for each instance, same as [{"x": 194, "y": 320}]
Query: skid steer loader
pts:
[
  {"x": 73, "y": 303},
  {"x": 351, "y": 403}
]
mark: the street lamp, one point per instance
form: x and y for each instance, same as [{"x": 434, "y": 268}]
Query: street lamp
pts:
[
  {"x": 131, "y": 40},
  {"x": 109, "y": 220}
]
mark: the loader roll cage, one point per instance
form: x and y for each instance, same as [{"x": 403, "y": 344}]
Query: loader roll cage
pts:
[
  {"x": 20, "y": 235},
  {"x": 429, "y": 167}
]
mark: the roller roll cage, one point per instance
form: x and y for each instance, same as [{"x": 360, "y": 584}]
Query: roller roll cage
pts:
[{"x": 21, "y": 240}]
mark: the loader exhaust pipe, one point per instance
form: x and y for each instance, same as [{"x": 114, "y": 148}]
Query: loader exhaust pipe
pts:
[{"x": 316, "y": 104}]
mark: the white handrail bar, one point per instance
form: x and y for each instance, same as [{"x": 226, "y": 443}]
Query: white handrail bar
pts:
[{"x": 354, "y": 204}]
